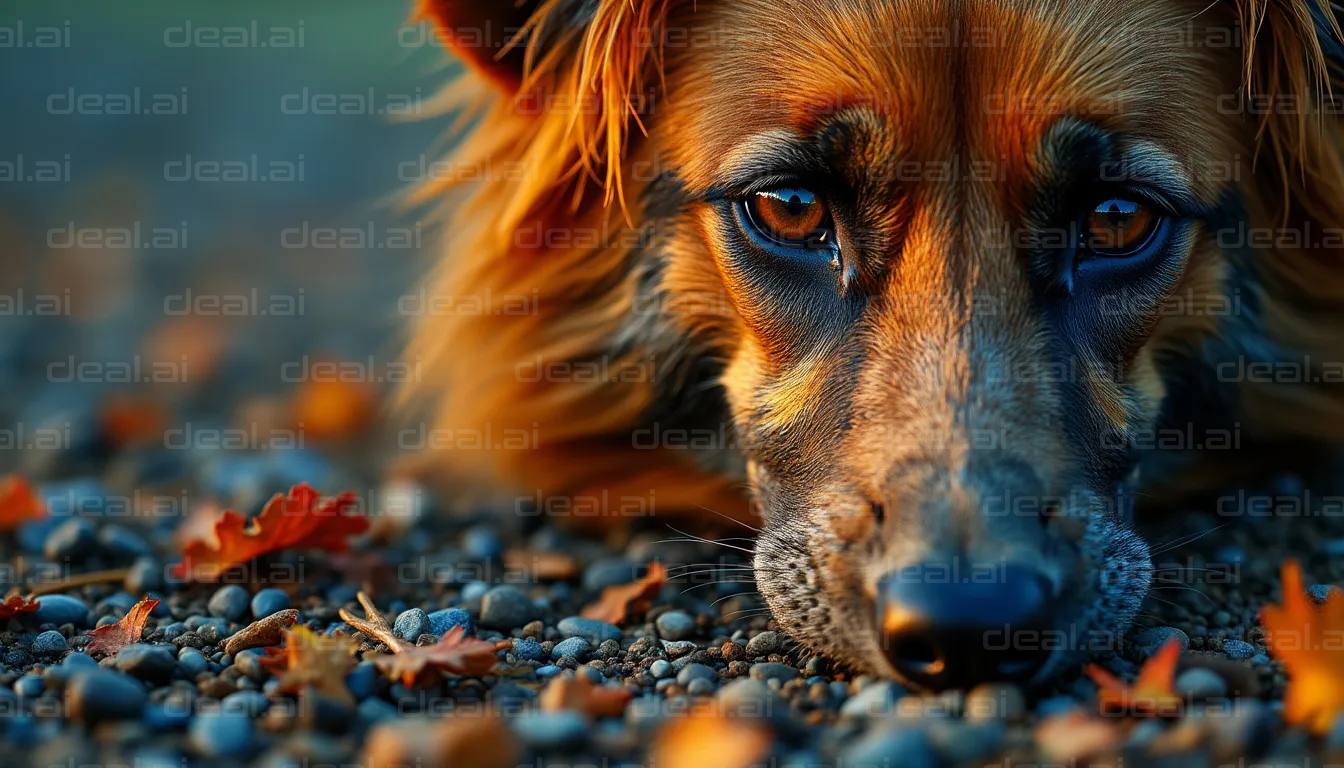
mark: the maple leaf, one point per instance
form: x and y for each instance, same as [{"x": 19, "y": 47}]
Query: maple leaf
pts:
[
  {"x": 580, "y": 695},
  {"x": 624, "y": 602},
  {"x": 707, "y": 739},
  {"x": 14, "y": 604},
  {"x": 1150, "y": 695},
  {"x": 18, "y": 503},
  {"x": 1308, "y": 640},
  {"x": 286, "y": 522},
  {"x": 414, "y": 665},
  {"x": 312, "y": 661},
  {"x": 109, "y": 639}
]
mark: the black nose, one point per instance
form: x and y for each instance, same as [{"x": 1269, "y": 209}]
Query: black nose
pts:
[{"x": 948, "y": 625}]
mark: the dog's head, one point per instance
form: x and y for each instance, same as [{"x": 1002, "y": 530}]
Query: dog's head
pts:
[{"x": 923, "y": 255}]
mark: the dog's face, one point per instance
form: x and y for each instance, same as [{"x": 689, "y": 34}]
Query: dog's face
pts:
[
  {"x": 959, "y": 244},
  {"x": 948, "y": 231}
]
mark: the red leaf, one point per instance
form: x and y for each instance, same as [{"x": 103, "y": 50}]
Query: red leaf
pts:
[
  {"x": 18, "y": 503},
  {"x": 287, "y": 522},
  {"x": 1152, "y": 693},
  {"x": 106, "y": 641},
  {"x": 1306, "y": 638},
  {"x": 14, "y": 604},
  {"x": 624, "y": 602}
]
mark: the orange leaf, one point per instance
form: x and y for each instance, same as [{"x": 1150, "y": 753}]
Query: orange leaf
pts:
[
  {"x": 113, "y": 637},
  {"x": 1152, "y": 693},
  {"x": 18, "y": 503},
  {"x": 624, "y": 602},
  {"x": 454, "y": 654},
  {"x": 333, "y": 410},
  {"x": 312, "y": 661},
  {"x": 293, "y": 521},
  {"x": 1308, "y": 639},
  {"x": 14, "y": 604},
  {"x": 709, "y": 740},
  {"x": 578, "y": 694},
  {"x": 129, "y": 421}
]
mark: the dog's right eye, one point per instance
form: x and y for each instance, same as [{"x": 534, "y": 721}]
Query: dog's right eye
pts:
[{"x": 793, "y": 217}]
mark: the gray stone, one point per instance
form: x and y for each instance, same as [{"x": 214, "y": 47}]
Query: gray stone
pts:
[
  {"x": 574, "y": 646},
  {"x": 1200, "y": 683},
  {"x": 61, "y": 609},
  {"x": 876, "y": 699},
  {"x": 74, "y": 539},
  {"x": 507, "y": 608},
  {"x": 552, "y": 730},
  {"x": 441, "y": 622},
  {"x": 660, "y": 669},
  {"x": 696, "y": 672},
  {"x": 773, "y": 670},
  {"x": 1152, "y": 640},
  {"x": 1237, "y": 650},
  {"x": 50, "y": 643},
  {"x": 223, "y": 734},
  {"x": 269, "y": 601},
  {"x": 95, "y": 695},
  {"x": 765, "y": 643},
  {"x": 230, "y": 603},
  {"x": 594, "y": 631},
  {"x": 411, "y": 624},
  {"x": 904, "y": 747},
  {"x": 676, "y": 625},
  {"x": 153, "y": 663}
]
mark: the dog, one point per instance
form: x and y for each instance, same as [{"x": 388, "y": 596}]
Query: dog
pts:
[{"x": 925, "y": 287}]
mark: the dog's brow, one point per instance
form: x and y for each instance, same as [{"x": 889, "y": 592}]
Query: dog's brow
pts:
[
  {"x": 774, "y": 151},
  {"x": 1146, "y": 162}
]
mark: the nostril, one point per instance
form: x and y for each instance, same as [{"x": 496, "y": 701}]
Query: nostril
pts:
[{"x": 879, "y": 511}]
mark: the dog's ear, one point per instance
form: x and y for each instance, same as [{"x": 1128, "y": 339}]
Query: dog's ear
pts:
[{"x": 489, "y": 35}]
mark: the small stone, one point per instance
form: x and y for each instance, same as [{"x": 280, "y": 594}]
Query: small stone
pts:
[
  {"x": 1320, "y": 592},
  {"x": 1238, "y": 650},
  {"x": 770, "y": 670},
  {"x": 594, "y": 631},
  {"x": 362, "y": 681},
  {"x": 529, "y": 650},
  {"x": 153, "y": 663},
  {"x": 1152, "y": 640},
  {"x": 610, "y": 649},
  {"x": 144, "y": 575},
  {"x": 676, "y": 625},
  {"x": 440, "y": 622},
  {"x": 74, "y": 540},
  {"x": 995, "y": 701},
  {"x": 29, "y": 686},
  {"x": 101, "y": 694},
  {"x": 248, "y": 661},
  {"x": 550, "y": 670},
  {"x": 269, "y": 601},
  {"x": 411, "y": 624},
  {"x": 222, "y": 734},
  {"x": 696, "y": 672},
  {"x": 574, "y": 646},
  {"x": 507, "y": 607},
  {"x": 543, "y": 731},
  {"x": 61, "y": 609},
  {"x": 229, "y": 603},
  {"x": 482, "y": 543},
  {"x": 192, "y": 662},
  {"x": 765, "y": 644},
  {"x": 700, "y": 687},
  {"x": 876, "y": 699},
  {"x": 675, "y": 649},
  {"x": 908, "y": 748},
  {"x": 731, "y": 651},
  {"x": 123, "y": 543},
  {"x": 50, "y": 643},
  {"x": 609, "y": 572},
  {"x": 1200, "y": 683},
  {"x": 252, "y": 703}
]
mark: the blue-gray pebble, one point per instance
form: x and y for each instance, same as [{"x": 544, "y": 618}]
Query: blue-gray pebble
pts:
[
  {"x": 574, "y": 646},
  {"x": 411, "y": 624},
  {"x": 529, "y": 650},
  {"x": 269, "y": 601},
  {"x": 229, "y": 603},
  {"x": 50, "y": 643},
  {"x": 676, "y": 625},
  {"x": 440, "y": 622},
  {"x": 61, "y": 609},
  {"x": 223, "y": 734},
  {"x": 592, "y": 630}
]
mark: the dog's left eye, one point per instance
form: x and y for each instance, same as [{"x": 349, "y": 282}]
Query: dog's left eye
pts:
[
  {"x": 1119, "y": 226},
  {"x": 790, "y": 216}
]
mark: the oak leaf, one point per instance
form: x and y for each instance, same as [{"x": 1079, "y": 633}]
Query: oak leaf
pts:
[
  {"x": 107, "y": 640},
  {"x": 709, "y": 739},
  {"x": 312, "y": 661},
  {"x": 625, "y": 602},
  {"x": 580, "y": 695},
  {"x": 18, "y": 503},
  {"x": 15, "y": 604},
  {"x": 292, "y": 521},
  {"x": 413, "y": 665},
  {"x": 1307, "y": 639},
  {"x": 1152, "y": 693}
]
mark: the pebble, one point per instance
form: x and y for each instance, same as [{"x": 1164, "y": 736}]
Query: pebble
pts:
[
  {"x": 482, "y": 543},
  {"x": 122, "y": 543},
  {"x": 660, "y": 669},
  {"x": 222, "y": 734},
  {"x": 574, "y": 646},
  {"x": 269, "y": 601},
  {"x": 677, "y": 648},
  {"x": 550, "y": 670},
  {"x": 877, "y": 699},
  {"x": 440, "y": 622},
  {"x": 252, "y": 703},
  {"x": 230, "y": 603},
  {"x": 29, "y": 686},
  {"x": 50, "y": 643},
  {"x": 101, "y": 694},
  {"x": 61, "y": 609},
  {"x": 609, "y": 572},
  {"x": 153, "y": 663},
  {"x": 1200, "y": 683},
  {"x": 507, "y": 607},
  {"x": 529, "y": 650},
  {"x": 771, "y": 670},
  {"x": 676, "y": 625},
  {"x": 543, "y": 731},
  {"x": 765, "y": 644},
  {"x": 192, "y": 662},
  {"x": 144, "y": 575},
  {"x": 1320, "y": 592},
  {"x": 474, "y": 591},
  {"x": 74, "y": 540},
  {"x": 696, "y": 672},
  {"x": 411, "y": 624},
  {"x": 1151, "y": 640},
  {"x": 908, "y": 748},
  {"x": 362, "y": 681},
  {"x": 1237, "y": 650},
  {"x": 594, "y": 631},
  {"x": 700, "y": 687}
]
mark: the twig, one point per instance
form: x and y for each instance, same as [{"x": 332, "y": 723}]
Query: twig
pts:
[
  {"x": 84, "y": 579},
  {"x": 375, "y": 626}
]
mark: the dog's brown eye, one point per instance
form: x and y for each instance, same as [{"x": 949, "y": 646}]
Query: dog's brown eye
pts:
[
  {"x": 790, "y": 216},
  {"x": 1119, "y": 227}
]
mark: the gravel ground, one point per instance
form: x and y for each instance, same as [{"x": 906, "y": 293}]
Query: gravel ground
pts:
[{"x": 707, "y": 644}]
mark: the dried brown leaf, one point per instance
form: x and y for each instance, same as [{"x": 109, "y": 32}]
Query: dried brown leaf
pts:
[
  {"x": 625, "y": 602},
  {"x": 106, "y": 641},
  {"x": 309, "y": 661}
]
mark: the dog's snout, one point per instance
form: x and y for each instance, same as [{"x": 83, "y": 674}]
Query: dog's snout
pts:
[{"x": 948, "y": 627}]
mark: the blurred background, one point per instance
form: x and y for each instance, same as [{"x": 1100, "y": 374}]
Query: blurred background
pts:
[{"x": 201, "y": 229}]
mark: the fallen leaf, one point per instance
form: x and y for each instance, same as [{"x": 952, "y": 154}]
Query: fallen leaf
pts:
[
  {"x": 454, "y": 654},
  {"x": 1151, "y": 695},
  {"x": 312, "y": 661},
  {"x": 267, "y": 631},
  {"x": 1308, "y": 639},
  {"x": 1074, "y": 737},
  {"x": 465, "y": 739},
  {"x": 578, "y": 694},
  {"x": 18, "y": 503},
  {"x": 130, "y": 420},
  {"x": 14, "y": 604},
  {"x": 109, "y": 639},
  {"x": 710, "y": 739},
  {"x": 286, "y": 522},
  {"x": 625, "y": 602}
]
